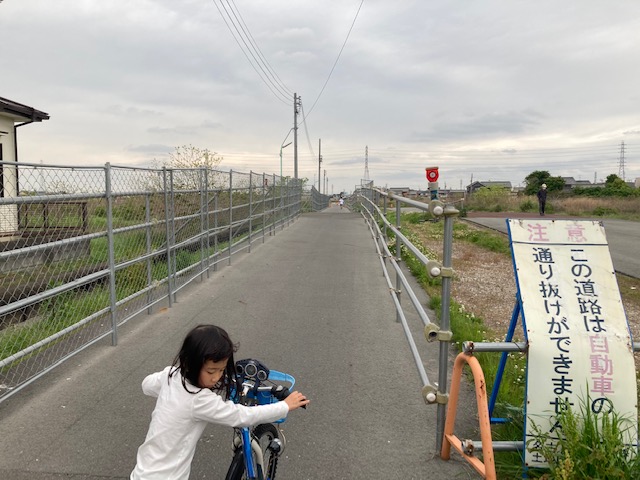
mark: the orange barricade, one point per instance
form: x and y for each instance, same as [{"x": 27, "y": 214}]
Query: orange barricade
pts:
[{"x": 487, "y": 468}]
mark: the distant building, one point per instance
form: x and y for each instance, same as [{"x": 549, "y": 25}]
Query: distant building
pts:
[
  {"x": 475, "y": 186},
  {"x": 570, "y": 183},
  {"x": 404, "y": 191}
]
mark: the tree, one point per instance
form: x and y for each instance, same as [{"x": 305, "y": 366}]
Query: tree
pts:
[
  {"x": 617, "y": 187},
  {"x": 535, "y": 180},
  {"x": 188, "y": 163}
]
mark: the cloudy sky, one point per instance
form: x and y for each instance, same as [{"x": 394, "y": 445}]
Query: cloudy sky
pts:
[{"x": 484, "y": 89}]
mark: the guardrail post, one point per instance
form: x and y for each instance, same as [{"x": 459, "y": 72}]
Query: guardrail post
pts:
[
  {"x": 445, "y": 326},
  {"x": 112, "y": 260}
]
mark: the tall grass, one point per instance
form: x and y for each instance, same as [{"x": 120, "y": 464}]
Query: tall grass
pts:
[
  {"x": 589, "y": 445},
  {"x": 627, "y": 208}
]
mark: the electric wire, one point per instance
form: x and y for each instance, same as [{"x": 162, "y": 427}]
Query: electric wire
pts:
[
  {"x": 276, "y": 79},
  {"x": 336, "y": 62},
  {"x": 306, "y": 131},
  {"x": 274, "y": 75},
  {"x": 277, "y": 93}
]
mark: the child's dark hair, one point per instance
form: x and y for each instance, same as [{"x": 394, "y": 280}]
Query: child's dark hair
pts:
[{"x": 206, "y": 342}]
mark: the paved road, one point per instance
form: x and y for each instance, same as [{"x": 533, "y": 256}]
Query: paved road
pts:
[
  {"x": 623, "y": 238},
  {"x": 312, "y": 301}
]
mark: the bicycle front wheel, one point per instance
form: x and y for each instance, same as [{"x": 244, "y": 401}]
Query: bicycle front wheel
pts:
[{"x": 264, "y": 436}]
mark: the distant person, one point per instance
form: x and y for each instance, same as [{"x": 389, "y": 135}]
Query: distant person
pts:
[
  {"x": 341, "y": 202},
  {"x": 542, "y": 198},
  {"x": 192, "y": 393}
]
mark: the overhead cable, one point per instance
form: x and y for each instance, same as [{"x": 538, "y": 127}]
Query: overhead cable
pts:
[
  {"x": 263, "y": 76},
  {"x": 336, "y": 62},
  {"x": 276, "y": 79}
]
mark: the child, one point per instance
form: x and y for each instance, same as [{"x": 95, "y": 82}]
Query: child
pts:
[{"x": 192, "y": 392}]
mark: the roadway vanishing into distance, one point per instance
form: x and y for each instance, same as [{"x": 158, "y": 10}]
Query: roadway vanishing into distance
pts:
[{"x": 623, "y": 237}]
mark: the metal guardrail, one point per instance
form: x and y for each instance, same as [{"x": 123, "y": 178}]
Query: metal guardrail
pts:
[
  {"x": 139, "y": 236},
  {"x": 374, "y": 203}
]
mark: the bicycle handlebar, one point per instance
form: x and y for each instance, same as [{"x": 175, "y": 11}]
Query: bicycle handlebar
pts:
[{"x": 259, "y": 383}]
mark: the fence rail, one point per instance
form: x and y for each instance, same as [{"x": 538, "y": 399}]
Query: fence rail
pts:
[{"x": 85, "y": 249}]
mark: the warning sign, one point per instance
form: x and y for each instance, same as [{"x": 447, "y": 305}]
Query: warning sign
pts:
[{"x": 579, "y": 341}]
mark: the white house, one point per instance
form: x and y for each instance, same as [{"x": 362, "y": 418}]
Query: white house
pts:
[{"x": 12, "y": 116}]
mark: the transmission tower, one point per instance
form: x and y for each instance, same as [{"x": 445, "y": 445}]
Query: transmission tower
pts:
[
  {"x": 366, "y": 163},
  {"x": 621, "y": 163}
]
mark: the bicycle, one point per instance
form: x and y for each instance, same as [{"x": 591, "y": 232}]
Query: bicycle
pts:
[{"x": 256, "y": 449}]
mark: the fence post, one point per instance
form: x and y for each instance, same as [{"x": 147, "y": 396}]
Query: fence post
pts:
[
  {"x": 215, "y": 228},
  {"x": 206, "y": 220},
  {"x": 398, "y": 257},
  {"x": 264, "y": 204},
  {"x": 250, "y": 207},
  {"x": 111, "y": 252},
  {"x": 230, "y": 213},
  {"x": 274, "y": 217},
  {"x": 167, "y": 233},
  {"x": 174, "y": 262},
  {"x": 203, "y": 230},
  {"x": 147, "y": 219}
]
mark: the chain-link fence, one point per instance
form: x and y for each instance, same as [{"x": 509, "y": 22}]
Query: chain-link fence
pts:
[
  {"x": 85, "y": 249},
  {"x": 316, "y": 201}
]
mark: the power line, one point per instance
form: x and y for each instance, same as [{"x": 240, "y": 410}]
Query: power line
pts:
[
  {"x": 336, "y": 62},
  {"x": 267, "y": 81},
  {"x": 270, "y": 69},
  {"x": 306, "y": 131}
]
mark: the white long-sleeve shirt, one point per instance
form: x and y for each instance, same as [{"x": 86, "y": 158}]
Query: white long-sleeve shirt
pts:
[{"x": 178, "y": 420}]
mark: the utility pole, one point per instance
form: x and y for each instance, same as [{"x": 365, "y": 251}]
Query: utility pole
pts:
[
  {"x": 319, "y": 163},
  {"x": 296, "y": 103}
]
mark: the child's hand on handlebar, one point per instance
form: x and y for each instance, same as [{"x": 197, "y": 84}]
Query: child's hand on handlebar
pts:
[{"x": 296, "y": 400}]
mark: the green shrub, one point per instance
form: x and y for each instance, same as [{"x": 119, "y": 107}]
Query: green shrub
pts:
[
  {"x": 527, "y": 206},
  {"x": 604, "y": 211}
]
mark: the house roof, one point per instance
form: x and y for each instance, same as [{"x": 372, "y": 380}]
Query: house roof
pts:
[
  {"x": 492, "y": 184},
  {"x": 573, "y": 181},
  {"x": 19, "y": 111}
]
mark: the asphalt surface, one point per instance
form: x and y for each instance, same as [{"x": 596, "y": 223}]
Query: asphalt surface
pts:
[
  {"x": 310, "y": 301},
  {"x": 623, "y": 238}
]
